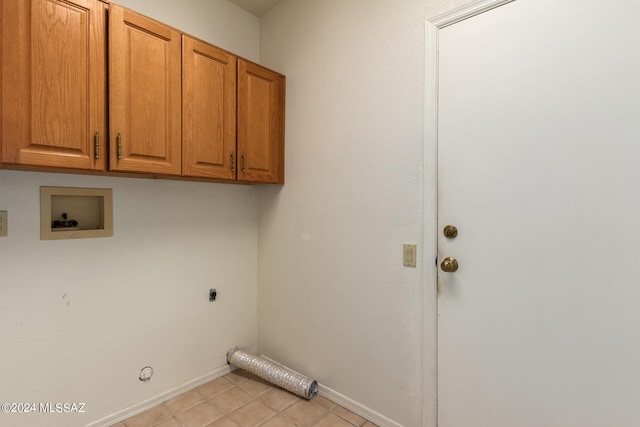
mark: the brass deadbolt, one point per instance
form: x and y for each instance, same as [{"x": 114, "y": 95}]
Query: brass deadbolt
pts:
[
  {"x": 450, "y": 231},
  {"x": 449, "y": 265}
]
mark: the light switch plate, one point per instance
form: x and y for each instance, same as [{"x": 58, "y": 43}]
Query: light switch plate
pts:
[
  {"x": 4, "y": 224},
  {"x": 409, "y": 255}
]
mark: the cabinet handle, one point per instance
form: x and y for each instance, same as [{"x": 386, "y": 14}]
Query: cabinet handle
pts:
[
  {"x": 233, "y": 162},
  {"x": 244, "y": 163},
  {"x": 97, "y": 145},
  {"x": 119, "y": 144}
]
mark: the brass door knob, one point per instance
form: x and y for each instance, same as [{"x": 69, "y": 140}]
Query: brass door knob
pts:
[
  {"x": 449, "y": 265},
  {"x": 450, "y": 231}
]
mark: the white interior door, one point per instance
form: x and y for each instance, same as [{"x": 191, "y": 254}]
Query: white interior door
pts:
[{"x": 539, "y": 169}]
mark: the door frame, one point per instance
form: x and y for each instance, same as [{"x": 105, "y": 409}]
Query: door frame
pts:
[{"x": 430, "y": 252}]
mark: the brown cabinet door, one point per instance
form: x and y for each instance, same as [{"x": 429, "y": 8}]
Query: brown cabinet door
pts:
[
  {"x": 208, "y": 111},
  {"x": 144, "y": 94},
  {"x": 53, "y": 74},
  {"x": 260, "y": 124}
]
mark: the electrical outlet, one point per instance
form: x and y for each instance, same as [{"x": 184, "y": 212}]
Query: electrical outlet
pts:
[{"x": 4, "y": 224}]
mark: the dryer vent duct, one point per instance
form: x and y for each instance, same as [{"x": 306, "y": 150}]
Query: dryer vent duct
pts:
[{"x": 273, "y": 373}]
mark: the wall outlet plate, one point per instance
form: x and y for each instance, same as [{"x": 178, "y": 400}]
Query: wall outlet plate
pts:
[
  {"x": 4, "y": 223},
  {"x": 409, "y": 255}
]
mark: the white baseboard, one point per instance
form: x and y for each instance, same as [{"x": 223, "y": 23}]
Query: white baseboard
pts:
[
  {"x": 352, "y": 405},
  {"x": 156, "y": 400},
  {"x": 340, "y": 399},
  {"x": 356, "y": 408}
]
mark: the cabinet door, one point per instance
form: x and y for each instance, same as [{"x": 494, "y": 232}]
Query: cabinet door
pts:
[
  {"x": 144, "y": 94},
  {"x": 260, "y": 124},
  {"x": 208, "y": 111},
  {"x": 53, "y": 74}
]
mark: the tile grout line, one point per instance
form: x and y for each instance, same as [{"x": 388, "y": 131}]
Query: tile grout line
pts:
[{"x": 327, "y": 406}]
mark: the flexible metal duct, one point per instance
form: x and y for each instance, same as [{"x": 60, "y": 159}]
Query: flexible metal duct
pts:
[{"x": 274, "y": 373}]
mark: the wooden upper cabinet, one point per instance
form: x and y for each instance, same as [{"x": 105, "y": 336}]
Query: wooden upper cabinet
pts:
[
  {"x": 208, "y": 111},
  {"x": 53, "y": 75},
  {"x": 144, "y": 94},
  {"x": 261, "y": 99},
  {"x": 176, "y": 105}
]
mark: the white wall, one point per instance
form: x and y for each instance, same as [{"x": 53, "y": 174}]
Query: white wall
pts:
[
  {"x": 80, "y": 318},
  {"x": 334, "y": 300}
]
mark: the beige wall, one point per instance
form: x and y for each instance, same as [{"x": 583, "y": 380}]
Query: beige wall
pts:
[
  {"x": 80, "y": 318},
  {"x": 334, "y": 299}
]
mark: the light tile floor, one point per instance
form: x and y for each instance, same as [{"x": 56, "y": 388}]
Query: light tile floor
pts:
[{"x": 240, "y": 399}]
